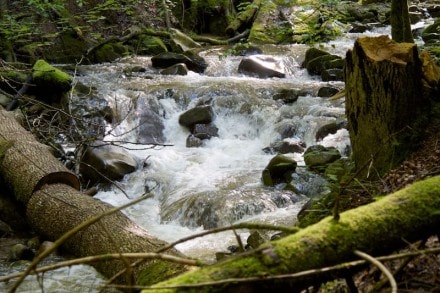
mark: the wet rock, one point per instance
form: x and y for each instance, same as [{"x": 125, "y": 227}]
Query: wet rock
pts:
[
  {"x": 111, "y": 161},
  {"x": 176, "y": 69},
  {"x": 150, "y": 130},
  {"x": 255, "y": 239},
  {"x": 262, "y": 66},
  {"x": 221, "y": 207},
  {"x": 431, "y": 34},
  {"x": 205, "y": 131},
  {"x": 358, "y": 27},
  {"x": 241, "y": 49},
  {"x": 286, "y": 146},
  {"x": 95, "y": 112},
  {"x": 21, "y": 252},
  {"x": 330, "y": 128},
  {"x": 193, "y": 142},
  {"x": 286, "y": 128},
  {"x": 288, "y": 96},
  {"x": 317, "y": 157},
  {"x": 335, "y": 74},
  {"x": 279, "y": 170},
  {"x": 48, "y": 83},
  {"x": 198, "y": 115},
  {"x": 327, "y": 91},
  {"x": 311, "y": 54},
  {"x": 193, "y": 62},
  {"x": 317, "y": 65},
  {"x": 109, "y": 52}
]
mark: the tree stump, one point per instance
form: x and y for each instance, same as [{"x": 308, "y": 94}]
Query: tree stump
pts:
[{"x": 384, "y": 102}]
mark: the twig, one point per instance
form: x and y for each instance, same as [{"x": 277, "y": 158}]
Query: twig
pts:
[
  {"x": 381, "y": 267},
  {"x": 111, "y": 256},
  {"x": 217, "y": 230},
  {"x": 232, "y": 227}
]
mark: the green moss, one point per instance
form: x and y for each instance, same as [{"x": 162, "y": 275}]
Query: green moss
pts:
[
  {"x": 49, "y": 78},
  {"x": 158, "y": 271},
  {"x": 109, "y": 52},
  {"x": 269, "y": 27}
]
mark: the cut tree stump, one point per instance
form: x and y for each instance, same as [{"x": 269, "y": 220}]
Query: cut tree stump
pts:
[{"x": 385, "y": 106}]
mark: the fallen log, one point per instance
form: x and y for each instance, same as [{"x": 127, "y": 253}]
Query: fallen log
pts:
[
  {"x": 378, "y": 228},
  {"x": 54, "y": 206},
  {"x": 58, "y": 208},
  {"x": 26, "y": 164}
]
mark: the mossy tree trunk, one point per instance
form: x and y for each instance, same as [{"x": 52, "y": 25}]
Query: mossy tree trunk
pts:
[
  {"x": 377, "y": 228},
  {"x": 384, "y": 102},
  {"x": 400, "y": 22}
]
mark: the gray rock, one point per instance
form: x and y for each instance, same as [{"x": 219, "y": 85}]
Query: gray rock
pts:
[
  {"x": 198, "y": 115},
  {"x": 279, "y": 170},
  {"x": 317, "y": 157},
  {"x": 205, "y": 131},
  {"x": 176, "y": 69},
  {"x": 284, "y": 147},
  {"x": 262, "y": 66},
  {"x": 330, "y": 128},
  {"x": 193, "y": 62},
  {"x": 103, "y": 159},
  {"x": 193, "y": 142},
  {"x": 327, "y": 91}
]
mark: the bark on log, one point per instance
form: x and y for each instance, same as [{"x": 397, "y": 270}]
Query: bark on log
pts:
[
  {"x": 384, "y": 102},
  {"x": 377, "y": 228},
  {"x": 27, "y": 164},
  {"x": 54, "y": 206},
  {"x": 58, "y": 208}
]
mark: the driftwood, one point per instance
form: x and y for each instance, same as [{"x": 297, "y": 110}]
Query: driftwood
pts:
[{"x": 377, "y": 228}]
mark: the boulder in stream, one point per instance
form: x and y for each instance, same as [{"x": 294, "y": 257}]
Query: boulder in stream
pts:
[
  {"x": 191, "y": 60},
  {"x": 279, "y": 170},
  {"x": 101, "y": 158},
  {"x": 197, "y": 115},
  {"x": 176, "y": 69},
  {"x": 263, "y": 66},
  {"x": 318, "y": 157}
]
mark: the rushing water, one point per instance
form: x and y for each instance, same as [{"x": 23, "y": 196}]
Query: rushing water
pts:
[{"x": 218, "y": 183}]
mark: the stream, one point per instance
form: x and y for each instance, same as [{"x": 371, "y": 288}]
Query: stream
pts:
[{"x": 219, "y": 183}]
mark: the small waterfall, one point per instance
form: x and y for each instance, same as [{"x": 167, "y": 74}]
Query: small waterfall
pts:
[{"x": 218, "y": 183}]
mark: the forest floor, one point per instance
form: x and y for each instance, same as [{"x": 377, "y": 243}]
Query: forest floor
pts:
[{"x": 412, "y": 274}]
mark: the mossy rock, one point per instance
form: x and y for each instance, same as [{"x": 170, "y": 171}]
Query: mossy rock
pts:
[
  {"x": 431, "y": 34},
  {"x": 279, "y": 170},
  {"x": 270, "y": 27},
  {"x": 317, "y": 65},
  {"x": 49, "y": 79},
  {"x": 147, "y": 45},
  {"x": 109, "y": 52},
  {"x": 318, "y": 157},
  {"x": 69, "y": 47}
]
